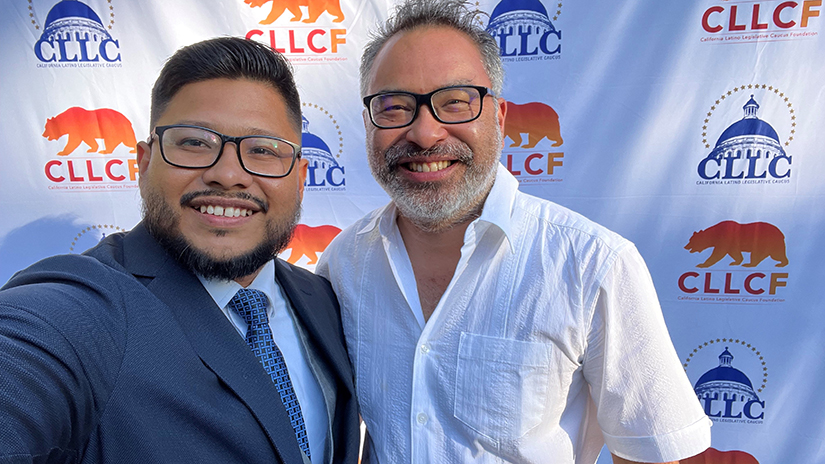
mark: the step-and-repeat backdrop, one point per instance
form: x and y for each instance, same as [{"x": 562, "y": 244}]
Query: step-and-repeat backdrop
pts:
[{"x": 694, "y": 128}]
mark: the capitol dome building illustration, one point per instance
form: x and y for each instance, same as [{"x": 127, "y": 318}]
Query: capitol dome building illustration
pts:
[
  {"x": 73, "y": 20},
  {"x": 314, "y": 149},
  {"x": 750, "y": 137},
  {"x": 510, "y": 17},
  {"x": 725, "y": 382}
]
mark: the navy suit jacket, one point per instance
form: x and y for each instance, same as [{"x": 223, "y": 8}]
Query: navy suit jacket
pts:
[{"x": 121, "y": 356}]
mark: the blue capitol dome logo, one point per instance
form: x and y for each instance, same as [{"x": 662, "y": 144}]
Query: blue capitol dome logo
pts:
[
  {"x": 324, "y": 171},
  {"x": 726, "y": 393},
  {"x": 73, "y": 34},
  {"x": 314, "y": 149},
  {"x": 524, "y": 31},
  {"x": 725, "y": 380},
  {"x": 750, "y": 150}
]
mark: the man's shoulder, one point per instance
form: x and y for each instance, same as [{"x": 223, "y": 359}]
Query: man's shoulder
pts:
[
  {"x": 110, "y": 250},
  {"x": 348, "y": 246},
  {"x": 559, "y": 219},
  {"x": 360, "y": 230}
]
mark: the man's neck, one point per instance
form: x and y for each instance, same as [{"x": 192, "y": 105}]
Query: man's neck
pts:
[
  {"x": 434, "y": 257},
  {"x": 246, "y": 280}
]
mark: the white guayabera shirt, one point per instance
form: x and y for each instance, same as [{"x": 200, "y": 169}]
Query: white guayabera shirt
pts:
[{"x": 548, "y": 343}]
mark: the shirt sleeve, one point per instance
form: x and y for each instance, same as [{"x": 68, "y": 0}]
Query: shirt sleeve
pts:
[{"x": 646, "y": 407}]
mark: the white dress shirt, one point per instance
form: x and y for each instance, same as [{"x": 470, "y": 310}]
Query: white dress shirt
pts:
[
  {"x": 285, "y": 334},
  {"x": 548, "y": 342}
]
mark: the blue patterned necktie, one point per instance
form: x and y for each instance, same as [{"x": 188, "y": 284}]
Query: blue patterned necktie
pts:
[{"x": 251, "y": 305}]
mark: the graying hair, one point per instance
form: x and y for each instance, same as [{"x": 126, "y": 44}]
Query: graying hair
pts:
[{"x": 412, "y": 14}]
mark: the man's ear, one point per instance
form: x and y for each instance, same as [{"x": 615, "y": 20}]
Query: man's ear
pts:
[
  {"x": 144, "y": 155},
  {"x": 366, "y": 116},
  {"x": 302, "y": 175},
  {"x": 501, "y": 112}
]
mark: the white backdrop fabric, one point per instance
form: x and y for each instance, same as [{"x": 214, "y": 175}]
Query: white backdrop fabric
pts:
[{"x": 695, "y": 129}]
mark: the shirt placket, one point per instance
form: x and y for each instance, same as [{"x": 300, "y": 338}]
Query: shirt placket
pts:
[{"x": 424, "y": 421}]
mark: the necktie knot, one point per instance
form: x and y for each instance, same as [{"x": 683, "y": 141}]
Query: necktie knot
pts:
[{"x": 251, "y": 305}]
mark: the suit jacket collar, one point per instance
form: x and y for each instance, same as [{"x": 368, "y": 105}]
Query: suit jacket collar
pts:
[{"x": 211, "y": 335}]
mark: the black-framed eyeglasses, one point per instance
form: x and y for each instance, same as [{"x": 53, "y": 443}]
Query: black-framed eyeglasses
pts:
[
  {"x": 450, "y": 105},
  {"x": 196, "y": 147}
]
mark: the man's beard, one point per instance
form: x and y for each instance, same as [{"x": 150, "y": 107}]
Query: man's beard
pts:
[
  {"x": 437, "y": 206},
  {"x": 164, "y": 225}
]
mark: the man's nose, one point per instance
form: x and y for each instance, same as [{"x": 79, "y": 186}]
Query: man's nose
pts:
[
  {"x": 227, "y": 171},
  {"x": 426, "y": 131}
]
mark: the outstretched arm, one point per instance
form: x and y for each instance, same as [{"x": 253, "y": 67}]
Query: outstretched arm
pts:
[
  {"x": 52, "y": 347},
  {"x": 45, "y": 398}
]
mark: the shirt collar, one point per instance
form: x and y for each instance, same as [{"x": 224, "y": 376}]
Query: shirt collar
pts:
[
  {"x": 222, "y": 291},
  {"x": 497, "y": 211},
  {"x": 383, "y": 218},
  {"x": 498, "y": 208}
]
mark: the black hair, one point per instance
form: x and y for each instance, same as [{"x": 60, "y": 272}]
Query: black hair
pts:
[{"x": 227, "y": 58}]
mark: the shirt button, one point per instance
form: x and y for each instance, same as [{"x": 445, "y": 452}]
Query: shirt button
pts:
[
  {"x": 425, "y": 348},
  {"x": 422, "y": 418}
]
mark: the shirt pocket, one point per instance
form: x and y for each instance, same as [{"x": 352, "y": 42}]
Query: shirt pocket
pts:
[{"x": 501, "y": 385}]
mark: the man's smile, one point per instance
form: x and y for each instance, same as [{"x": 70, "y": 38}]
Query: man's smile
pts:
[
  {"x": 432, "y": 166},
  {"x": 229, "y": 211}
]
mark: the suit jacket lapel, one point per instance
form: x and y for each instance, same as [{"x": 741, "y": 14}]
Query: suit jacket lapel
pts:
[
  {"x": 212, "y": 336},
  {"x": 319, "y": 322}
]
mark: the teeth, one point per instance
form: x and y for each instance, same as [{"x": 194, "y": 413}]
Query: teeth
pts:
[
  {"x": 225, "y": 212},
  {"x": 429, "y": 167}
]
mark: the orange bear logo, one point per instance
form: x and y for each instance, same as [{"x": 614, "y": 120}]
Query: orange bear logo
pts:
[
  {"x": 760, "y": 239},
  {"x": 535, "y": 119},
  {"x": 87, "y": 126},
  {"x": 309, "y": 241},
  {"x": 714, "y": 456},
  {"x": 314, "y": 9}
]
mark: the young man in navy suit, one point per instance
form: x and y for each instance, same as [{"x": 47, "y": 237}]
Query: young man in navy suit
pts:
[{"x": 186, "y": 339}]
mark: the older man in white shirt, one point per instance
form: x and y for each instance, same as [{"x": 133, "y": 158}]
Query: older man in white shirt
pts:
[{"x": 485, "y": 325}]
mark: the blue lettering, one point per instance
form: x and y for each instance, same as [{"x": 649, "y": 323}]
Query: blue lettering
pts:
[
  {"x": 310, "y": 182},
  {"x": 61, "y": 45},
  {"x": 524, "y": 36},
  {"x": 752, "y": 166},
  {"x": 729, "y": 407},
  {"x": 84, "y": 52},
  {"x": 331, "y": 178},
  {"x": 38, "y": 50},
  {"x": 703, "y": 171},
  {"x": 543, "y": 43},
  {"x": 772, "y": 167},
  {"x": 502, "y": 43},
  {"x": 104, "y": 52},
  {"x": 749, "y": 405},
  {"x": 729, "y": 165},
  {"x": 708, "y": 400}
]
